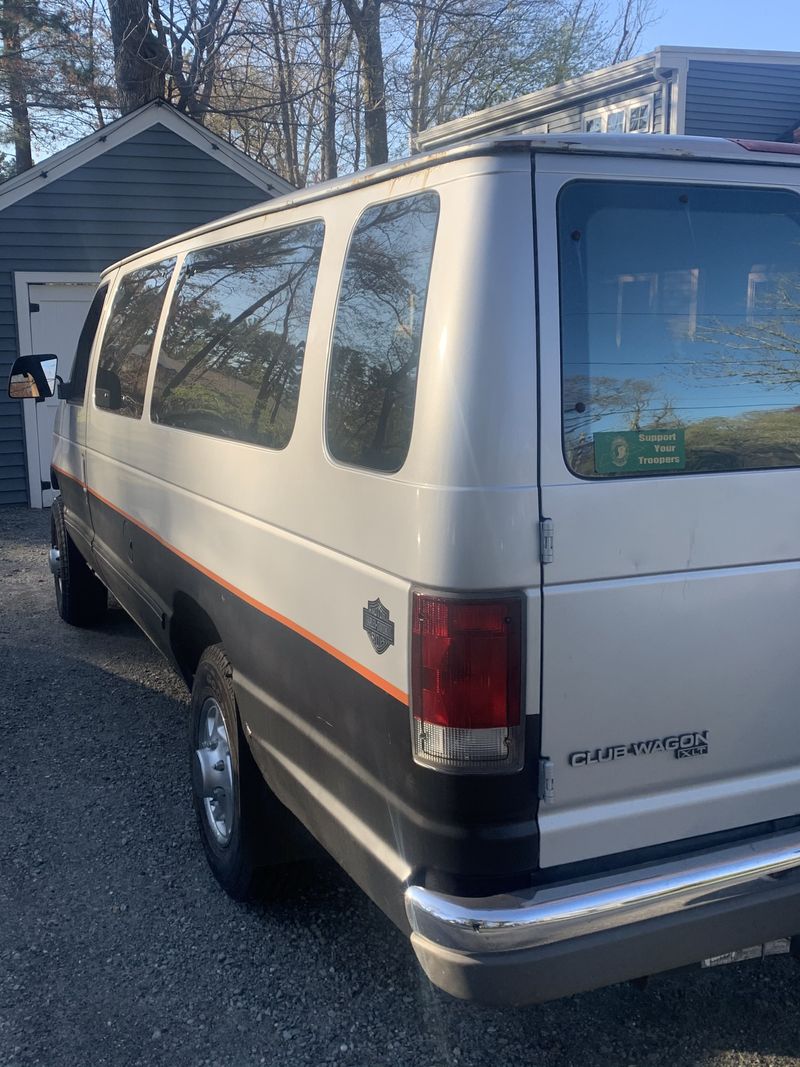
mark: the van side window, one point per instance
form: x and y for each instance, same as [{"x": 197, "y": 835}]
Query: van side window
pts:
[
  {"x": 80, "y": 367},
  {"x": 378, "y": 332},
  {"x": 128, "y": 339},
  {"x": 680, "y": 328},
  {"x": 232, "y": 352}
]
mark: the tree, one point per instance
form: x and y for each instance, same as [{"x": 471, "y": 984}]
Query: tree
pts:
[
  {"x": 12, "y": 19},
  {"x": 307, "y": 87},
  {"x": 365, "y": 20},
  {"x": 469, "y": 54},
  {"x": 141, "y": 59},
  {"x": 49, "y": 57}
]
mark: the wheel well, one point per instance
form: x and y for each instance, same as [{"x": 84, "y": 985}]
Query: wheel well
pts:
[{"x": 191, "y": 631}]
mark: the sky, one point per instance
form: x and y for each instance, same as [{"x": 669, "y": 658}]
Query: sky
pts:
[{"x": 773, "y": 24}]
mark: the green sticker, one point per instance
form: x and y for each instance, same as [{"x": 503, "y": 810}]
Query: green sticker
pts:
[{"x": 639, "y": 450}]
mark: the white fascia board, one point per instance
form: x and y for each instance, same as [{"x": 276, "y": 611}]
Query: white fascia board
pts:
[
  {"x": 670, "y": 55},
  {"x": 607, "y": 80},
  {"x": 121, "y": 130}
]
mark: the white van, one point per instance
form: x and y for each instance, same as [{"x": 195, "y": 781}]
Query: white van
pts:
[{"x": 465, "y": 495}]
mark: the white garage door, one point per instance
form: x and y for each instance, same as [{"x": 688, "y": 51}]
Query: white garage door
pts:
[{"x": 50, "y": 317}]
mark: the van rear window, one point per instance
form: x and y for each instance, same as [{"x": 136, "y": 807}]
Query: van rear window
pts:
[
  {"x": 680, "y": 327},
  {"x": 378, "y": 333},
  {"x": 232, "y": 352}
]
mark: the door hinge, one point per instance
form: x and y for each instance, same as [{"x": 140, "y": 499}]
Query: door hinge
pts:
[
  {"x": 546, "y": 540},
  {"x": 33, "y": 308},
  {"x": 547, "y": 781}
]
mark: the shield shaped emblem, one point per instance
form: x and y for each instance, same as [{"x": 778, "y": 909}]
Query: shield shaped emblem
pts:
[{"x": 379, "y": 626}]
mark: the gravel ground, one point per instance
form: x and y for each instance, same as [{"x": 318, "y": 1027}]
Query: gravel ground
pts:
[{"x": 117, "y": 946}]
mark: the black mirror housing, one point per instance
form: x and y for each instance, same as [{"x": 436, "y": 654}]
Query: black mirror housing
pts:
[{"x": 33, "y": 377}]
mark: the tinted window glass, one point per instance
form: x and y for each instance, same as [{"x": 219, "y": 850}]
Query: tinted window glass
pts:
[
  {"x": 128, "y": 339},
  {"x": 373, "y": 378},
  {"x": 232, "y": 353},
  {"x": 680, "y": 317},
  {"x": 80, "y": 368}
]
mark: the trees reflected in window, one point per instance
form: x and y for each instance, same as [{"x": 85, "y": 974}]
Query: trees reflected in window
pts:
[
  {"x": 378, "y": 332},
  {"x": 127, "y": 346},
  {"x": 231, "y": 359},
  {"x": 680, "y": 312}
]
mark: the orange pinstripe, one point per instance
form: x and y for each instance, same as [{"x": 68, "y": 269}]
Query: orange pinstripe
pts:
[{"x": 348, "y": 661}]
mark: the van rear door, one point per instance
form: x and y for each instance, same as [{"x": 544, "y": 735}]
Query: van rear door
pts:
[{"x": 670, "y": 468}]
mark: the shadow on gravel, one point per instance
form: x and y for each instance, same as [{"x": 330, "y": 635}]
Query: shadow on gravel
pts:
[{"x": 691, "y": 1018}]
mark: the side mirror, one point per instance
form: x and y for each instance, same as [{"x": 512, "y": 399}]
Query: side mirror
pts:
[
  {"x": 33, "y": 377},
  {"x": 107, "y": 390}
]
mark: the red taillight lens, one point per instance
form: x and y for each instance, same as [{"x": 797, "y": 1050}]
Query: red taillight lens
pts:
[{"x": 466, "y": 690}]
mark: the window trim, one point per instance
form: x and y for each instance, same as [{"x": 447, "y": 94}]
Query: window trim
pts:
[
  {"x": 600, "y": 479},
  {"x": 626, "y": 107},
  {"x": 168, "y": 302},
  {"x": 329, "y": 456}
]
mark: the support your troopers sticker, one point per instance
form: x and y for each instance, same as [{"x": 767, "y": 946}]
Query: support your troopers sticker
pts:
[{"x": 625, "y": 451}]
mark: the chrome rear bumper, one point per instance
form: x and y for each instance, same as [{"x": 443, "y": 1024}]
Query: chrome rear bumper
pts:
[{"x": 678, "y": 895}]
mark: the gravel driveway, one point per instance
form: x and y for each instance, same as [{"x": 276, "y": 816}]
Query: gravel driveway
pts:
[{"x": 117, "y": 947}]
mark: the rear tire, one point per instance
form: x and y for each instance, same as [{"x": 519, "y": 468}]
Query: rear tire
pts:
[
  {"x": 226, "y": 784},
  {"x": 81, "y": 597}
]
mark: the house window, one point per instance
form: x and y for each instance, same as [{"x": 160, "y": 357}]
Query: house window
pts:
[
  {"x": 634, "y": 116},
  {"x": 615, "y": 122},
  {"x": 639, "y": 119}
]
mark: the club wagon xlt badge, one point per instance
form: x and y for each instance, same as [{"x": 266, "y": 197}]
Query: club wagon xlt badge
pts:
[
  {"x": 681, "y": 745},
  {"x": 379, "y": 627}
]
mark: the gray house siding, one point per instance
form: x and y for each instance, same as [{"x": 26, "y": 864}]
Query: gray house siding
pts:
[
  {"x": 13, "y": 482},
  {"x": 143, "y": 190},
  {"x": 751, "y": 100}
]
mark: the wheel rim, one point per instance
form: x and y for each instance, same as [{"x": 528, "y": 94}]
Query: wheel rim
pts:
[
  {"x": 56, "y": 578},
  {"x": 215, "y": 771}
]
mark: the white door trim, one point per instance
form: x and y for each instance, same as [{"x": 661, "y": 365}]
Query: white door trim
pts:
[{"x": 22, "y": 279}]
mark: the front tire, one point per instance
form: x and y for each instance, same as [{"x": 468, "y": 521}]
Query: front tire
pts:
[
  {"x": 81, "y": 598},
  {"x": 224, "y": 783}
]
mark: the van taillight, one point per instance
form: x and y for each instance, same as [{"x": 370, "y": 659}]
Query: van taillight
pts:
[{"x": 466, "y": 683}]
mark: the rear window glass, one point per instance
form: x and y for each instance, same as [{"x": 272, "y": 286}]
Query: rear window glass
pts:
[
  {"x": 378, "y": 332},
  {"x": 232, "y": 353},
  {"x": 680, "y": 321},
  {"x": 127, "y": 345}
]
